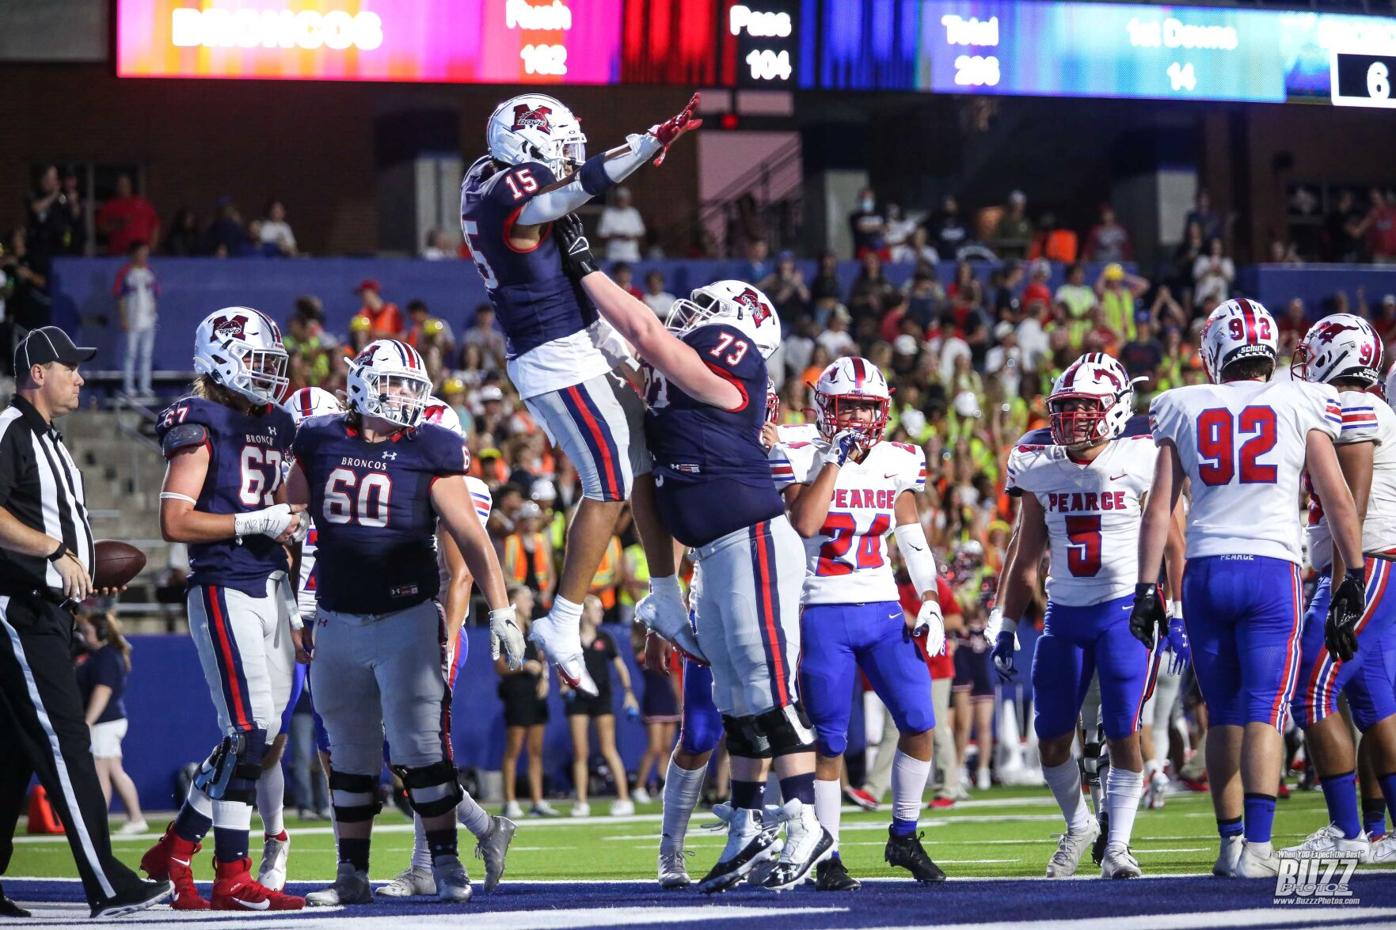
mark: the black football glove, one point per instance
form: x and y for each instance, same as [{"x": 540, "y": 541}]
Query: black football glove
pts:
[
  {"x": 577, "y": 259},
  {"x": 1147, "y": 618},
  {"x": 1344, "y": 611}
]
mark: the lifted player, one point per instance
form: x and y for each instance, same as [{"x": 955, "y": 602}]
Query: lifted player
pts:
[{"x": 846, "y": 492}]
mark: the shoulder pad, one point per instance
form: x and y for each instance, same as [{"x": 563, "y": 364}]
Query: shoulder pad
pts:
[
  {"x": 1035, "y": 438},
  {"x": 183, "y": 436},
  {"x": 1137, "y": 427}
]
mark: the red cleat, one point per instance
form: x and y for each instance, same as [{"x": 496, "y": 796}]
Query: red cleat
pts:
[
  {"x": 941, "y": 803},
  {"x": 172, "y": 859},
  {"x": 861, "y": 798},
  {"x": 235, "y": 889},
  {"x": 1283, "y": 793}
]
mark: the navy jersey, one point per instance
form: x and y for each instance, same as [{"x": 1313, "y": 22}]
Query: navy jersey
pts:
[
  {"x": 711, "y": 473},
  {"x": 534, "y": 299},
  {"x": 246, "y": 450},
  {"x": 371, "y": 503}
]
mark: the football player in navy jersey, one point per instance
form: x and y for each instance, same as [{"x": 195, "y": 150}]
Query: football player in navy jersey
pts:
[
  {"x": 536, "y": 172},
  {"x": 707, "y": 398},
  {"x": 223, "y": 496},
  {"x": 377, "y": 479}
]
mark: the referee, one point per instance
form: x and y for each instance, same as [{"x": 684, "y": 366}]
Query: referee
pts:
[{"x": 45, "y": 559}]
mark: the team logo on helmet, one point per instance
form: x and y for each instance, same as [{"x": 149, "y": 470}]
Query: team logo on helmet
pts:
[
  {"x": 527, "y": 117},
  {"x": 233, "y": 326},
  {"x": 750, "y": 301},
  {"x": 1325, "y": 331}
]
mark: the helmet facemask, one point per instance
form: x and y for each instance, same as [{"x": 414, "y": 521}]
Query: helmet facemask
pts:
[
  {"x": 685, "y": 314},
  {"x": 399, "y": 397},
  {"x": 1078, "y": 421},
  {"x": 261, "y": 376},
  {"x": 864, "y": 414}
]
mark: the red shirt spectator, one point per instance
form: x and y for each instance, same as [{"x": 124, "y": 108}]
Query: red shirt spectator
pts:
[
  {"x": 943, "y": 665},
  {"x": 126, "y": 219},
  {"x": 384, "y": 318}
]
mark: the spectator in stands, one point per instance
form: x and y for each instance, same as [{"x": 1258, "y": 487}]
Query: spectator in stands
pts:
[
  {"x": 872, "y": 294},
  {"x": 307, "y": 339},
  {"x": 527, "y": 556},
  {"x": 1006, "y": 280},
  {"x": 136, "y": 290},
  {"x": 437, "y": 248},
  {"x": 1292, "y": 324},
  {"x": 1108, "y": 241},
  {"x": 964, "y": 292},
  {"x": 524, "y": 692},
  {"x": 798, "y": 346},
  {"x": 1013, "y": 234},
  {"x": 925, "y": 297},
  {"x": 787, "y": 289},
  {"x": 1185, "y": 256},
  {"x": 1143, "y": 354},
  {"x": 29, "y": 305},
  {"x": 425, "y": 330},
  {"x": 225, "y": 236},
  {"x": 656, "y": 297},
  {"x": 825, "y": 289},
  {"x": 1032, "y": 338},
  {"x": 1378, "y": 227},
  {"x": 948, "y": 232},
  {"x": 54, "y": 216},
  {"x": 624, "y": 276},
  {"x": 899, "y": 230},
  {"x": 1117, "y": 293},
  {"x": 917, "y": 249},
  {"x": 1342, "y": 229},
  {"x": 384, "y": 318},
  {"x": 1165, "y": 310},
  {"x": 102, "y": 683},
  {"x": 757, "y": 264},
  {"x": 1054, "y": 241},
  {"x": 127, "y": 218},
  {"x": 484, "y": 333},
  {"x": 276, "y": 237},
  {"x": 1212, "y": 274},
  {"x": 1039, "y": 273},
  {"x": 1203, "y": 215},
  {"x": 1284, "y": 253},
  {"x": 601, "y": 656},
  {"x": 867, "y": 225},
  {"x": 183, "y": 239},
  {"x": 621, "y": 228},
  {"x": 1076, "y": 296},
  {"x": 1005, "y": 359},
  {"x": 835, "y": 338}
]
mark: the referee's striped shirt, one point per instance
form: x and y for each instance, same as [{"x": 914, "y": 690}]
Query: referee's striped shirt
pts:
[{"x": 41, "y": 486}]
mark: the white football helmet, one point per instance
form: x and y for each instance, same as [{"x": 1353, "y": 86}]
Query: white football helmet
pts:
[
  {"x": 241, "y": 349},
  {"x": 442, "y": 414},
  {"x": 847, "y": 381},
  {"x": 1108, "y": 392},
  {"x": 1341, "y": 345},
  {"x": 536, "y": 127},
  {"x": 311, "y": 402},
  {"x": 1236, "y": 330},
  {"x": 389, "y": 380},
  {"x": 734, "y": 303}
]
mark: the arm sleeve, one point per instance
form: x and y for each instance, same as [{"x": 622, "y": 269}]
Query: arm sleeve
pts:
[
  {"x": 1320, "y": 409},
  {"x": 480, "y": 497},
  {"x": 1359, "y": 416}
]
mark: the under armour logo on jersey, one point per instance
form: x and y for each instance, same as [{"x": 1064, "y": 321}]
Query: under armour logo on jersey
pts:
[
  {"x": 527, "y": 117},
  {"x": 751, "y": 301},
  {"x": 231, "y": 327},
  {"x": 391, "y": 456}
]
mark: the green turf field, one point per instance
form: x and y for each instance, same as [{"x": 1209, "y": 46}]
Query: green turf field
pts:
[{"x": 1003, "y": 832}]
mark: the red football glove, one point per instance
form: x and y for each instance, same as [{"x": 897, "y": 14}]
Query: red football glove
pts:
[{"x": 669, "y": 130}]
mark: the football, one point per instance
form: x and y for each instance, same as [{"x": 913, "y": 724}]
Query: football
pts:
[{"x": 115, "y": 563}]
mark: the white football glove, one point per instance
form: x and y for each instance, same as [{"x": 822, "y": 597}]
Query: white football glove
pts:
[
  {"x": 930, "y": 621},
  {"x": 506, "y": 638},
  {"x": 846, "y": 444},
  {"x": 302, "y": 528},
  {"x": 269, "y": 521}
]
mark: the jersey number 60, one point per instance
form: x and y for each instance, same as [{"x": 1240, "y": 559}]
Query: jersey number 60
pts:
[{"x": 369, "y": 508}]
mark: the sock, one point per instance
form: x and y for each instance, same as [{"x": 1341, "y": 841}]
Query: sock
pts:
[
  {"x": 1388, "y": 791},
  {"x": 750, "y": 795},
  {"x": 908, "y": 785},
  {"x": 1260, "y": 817},
  {"x": 1065, "y": 782},
  {"x": 800, "y": 787},
  {"x": 828, "y": 806},
  {"x": 1340, "y": 794},
  {"x": 232, "y": 822},
  {"x": 355, "y": 852},
  {"x": 195, "y": 817},
  {"x": 271, "y": 800},
  {"x": 1123, "y": 793},
  {"x": 1226, "y": 829},
  {"x": 442, "y": 843},
  {"x": 1374, "y": 816},
  {"x": 565, "y": 610},
  {"x": 472, "y": 816},
  {"x": 682, "y": 789},
  {"x": 421, "y": 851}
]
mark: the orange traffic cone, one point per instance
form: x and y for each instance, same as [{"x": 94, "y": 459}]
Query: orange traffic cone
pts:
[{"x": 42, "y": 819}]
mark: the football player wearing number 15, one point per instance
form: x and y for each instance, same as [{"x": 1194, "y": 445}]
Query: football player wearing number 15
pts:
[
  {"x": 558, "y": 358},
  {"x": 1243, "y": 441}
]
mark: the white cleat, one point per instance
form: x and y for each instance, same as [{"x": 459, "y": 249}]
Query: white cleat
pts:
[
  {"x": 1119, "y": 862},
  {"x": 493, "y": 847},
  {"x": 452, "y": 884},
  {"x": 765, "y": 862},
  {"x": 807, "y": 844},
  {"x": 673, "y": 869},
  {"x": 1258, "y": 860},
  {"x": 1158, "y": 788},
  {"x": 748, "y": 840},
  {"x": 1070, "y": 848},
  {"x": 410, "y": 883},
  {"x": 1228, "y": 856},
  {"x": 1383, "y": 850},
  {"x": 350, "y": 887},
  {"x": 562, "y": 644},
  {"x": 1330, "y": 841},
  {"x": 272, "y": 873}
]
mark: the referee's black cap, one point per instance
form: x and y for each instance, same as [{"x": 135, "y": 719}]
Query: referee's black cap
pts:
[{"x": 49, "y": 344}]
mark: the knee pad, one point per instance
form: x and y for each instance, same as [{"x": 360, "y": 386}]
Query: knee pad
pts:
[
  {"x": 433, "y": 789},
  {"x": 745, "y": 738},
  {"x": 787, "y": 729},
  {"x": 1091, "y": 770},
  {"x": 230, "y": 773},
  {"x": 355, "y": 797}
]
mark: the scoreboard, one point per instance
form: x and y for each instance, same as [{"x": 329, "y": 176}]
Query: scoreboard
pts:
[{"x": 1019, "y": 47}]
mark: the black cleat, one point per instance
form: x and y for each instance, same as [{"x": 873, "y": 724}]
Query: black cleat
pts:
[
  {"x": 9, "y": 908},
  {"x": 1098, "y": 847},
  {"x": 907, "y": 853},
  {"x": 728, "y": 872},
  {"x": 832, "y": 876},
  {"x": 144, "y": 895}
]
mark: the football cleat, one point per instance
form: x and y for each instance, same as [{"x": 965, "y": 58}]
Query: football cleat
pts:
[
  {"x": 1098, "y": 847},
  {"x": 807, "y": 844},
  {"x": 275, "y": 852},
  {"x": 748, "y": 839},
  {"x": 563, "y": 648},
  {"x": 1330, "y": 841},
  {"x": 172, "y": 859},
  {"x": 411, "y": 882},
  {"x": 493, "y": 847},
  {"x": 146, "y": 894},
  {"x": 1119, "y": 863},
  {"x": 234, "y": 889},
  {"x": 350, "y": 887},
  {"x": 1158, "y": 787},
  {"x": 673, "y": 869},
  {"x": 1070, "y": 848},
  {"x": 1257, "y": 860},
  {"x": 831, "y": 875},
  {"x": 1228, "y": 856},
  {"x": 452, "y": 884},
  {"x": 861, "y": 797},
  {"x": 907, "y": 852},
  {"x": 1383, "y": 850}
]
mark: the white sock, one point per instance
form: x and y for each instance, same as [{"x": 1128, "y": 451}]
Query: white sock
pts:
[
  {"x": 682, "y": 788},
  {"x": 232, "y": 815},
  {"x": 563, "y": 609},
  {"x": 472, "y": 816},
  {"x": 1122, "y": 801},
  {"x": 421, "y": 853},
  {"x": 200, "y": 801},
  {"x": 271, "y": 800},
  {"x": 828, "y": 806},
  {"x": 908, "y": 785},
  {"x": 1065, "y": 782}
]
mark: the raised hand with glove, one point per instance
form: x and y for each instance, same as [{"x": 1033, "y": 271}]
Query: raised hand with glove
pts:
[
  {"x": 846, "y": 444},
  {"x": 577, "y": 258}
]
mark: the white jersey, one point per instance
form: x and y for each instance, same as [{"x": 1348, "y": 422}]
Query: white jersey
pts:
[
  {"x": 846, "y": 562},
  {"x": 1093, "y": 514},
  {"x": 797, "y": 432},
  {"x": 484, "y": 504},
  {"x": 1242, "y": 444},
  {"x": 1366, "y": 418}
]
